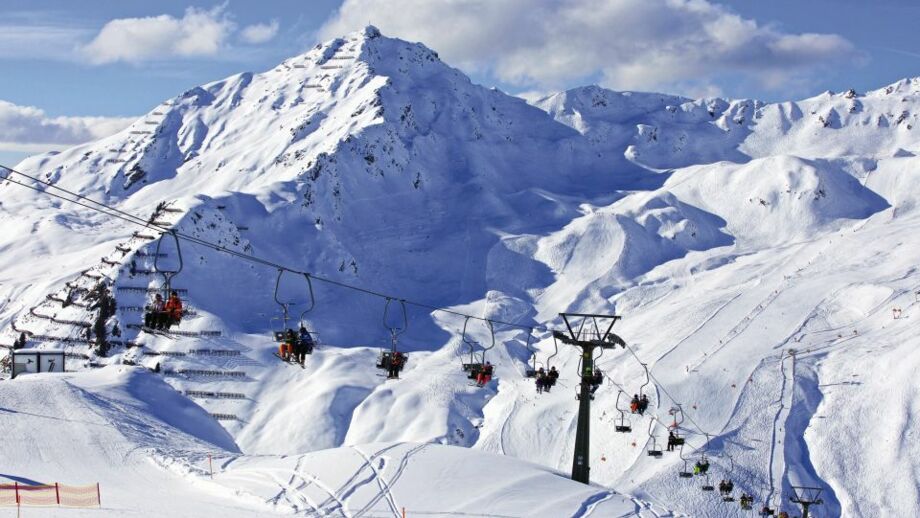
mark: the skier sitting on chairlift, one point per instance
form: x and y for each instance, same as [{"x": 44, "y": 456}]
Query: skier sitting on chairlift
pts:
[
  {"x": 672, "y": 440},
  {"x": 485, "y": 375},
  {"x": 397, "y": 360},
  {"x": 726, "y": 487},
  {"x": 700, "y": 468},
  {"x": 156, "y": 313},
  {"x": 643, "y": 404},
  {"x": 286, "y": 348},
  {"x": 634, "y": 404},
  {"x": 782, "y": 514},
  {"x": 746, "y": 502},
  {"x": 551, "y": 378},
  {"x": 596, "y": 379},
  {"x": 173, "y": 309},
  {"x": 301, "y": 345},
  {"x": 541, "y": 380},
  {"x": 307, "y": 340}
]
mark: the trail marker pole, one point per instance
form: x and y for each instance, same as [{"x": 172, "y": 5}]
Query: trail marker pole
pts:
[
  {"x": 587, "y": 340},
  {"x": 211, "y": 466}
]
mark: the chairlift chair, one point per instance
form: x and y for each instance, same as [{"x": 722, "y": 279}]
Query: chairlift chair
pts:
[
  {"x": 727, "y": 496},
  {"x": 531, "y": 371},
  {"x": 167, "y": 274},
  {"x": 392, "y": 360},
  {"x": 707, "y": 485},
  {"x": 279, "y": 324},
  {"x": 675, "y": 428},
  {"x": 303, "y": 324},
  {"x": 654, "y": 450},
  {"x": 684, "y": 473},
  {"x": 474, "y": 367},
  {"x": 621, "y": 425}
]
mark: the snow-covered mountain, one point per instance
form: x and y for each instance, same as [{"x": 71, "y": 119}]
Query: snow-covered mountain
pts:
[{"x": 727, "y": 233}]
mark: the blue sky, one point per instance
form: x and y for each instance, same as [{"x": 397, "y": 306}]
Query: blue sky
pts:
[{"x": 74, "y": 71}]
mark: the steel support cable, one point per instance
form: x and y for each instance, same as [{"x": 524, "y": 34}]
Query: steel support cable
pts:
[
  {"x": 131, "y": 218},
  {"x": 665, "y": 390}
]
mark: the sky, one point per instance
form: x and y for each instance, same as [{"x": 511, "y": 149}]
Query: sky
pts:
[{"x": 77, "y": 71}]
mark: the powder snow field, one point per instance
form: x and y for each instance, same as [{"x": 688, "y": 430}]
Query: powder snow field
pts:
[{"x": 755, "y": 251}]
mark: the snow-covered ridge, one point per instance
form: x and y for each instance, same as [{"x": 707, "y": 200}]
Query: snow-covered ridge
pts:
[
  {"x": 663, "y": 131},
  {"x": 727, "y": 232}
]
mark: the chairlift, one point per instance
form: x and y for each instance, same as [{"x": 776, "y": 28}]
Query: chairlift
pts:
[
  {"x": 393, "y": 361},
  {"x": 476, "y": 364},
  {"x": 674, "y": 428},
  {"x": 278, "y": 331},
  {"x": 597, "y": 377},
  {"x": 546, "y": 376},
  {"x": 305, "y": 334},
  {"x": 170, "y": 315},
  {"x": 283, "y": 334},
  {"x": 707, "y": 486},
  {"x": 703, "y": 465},
  {"x": 531, "y": 371},
  {"x": 654, "y": 450},
  {"x": 621, "y": 425},
  {"x": 157, "y": 265},
  {"x": 746, "y": 502},
  {"x": 727, "y": 494},
  {"x": 685, "y": 472}
]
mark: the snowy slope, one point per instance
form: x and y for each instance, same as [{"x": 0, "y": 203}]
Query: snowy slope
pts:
[
  {"x": 727, "y": 233},
  {"x": 149, "y": 449}
]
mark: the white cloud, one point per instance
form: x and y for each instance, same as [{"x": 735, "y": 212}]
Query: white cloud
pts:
[
  {"x": 260, "y": 32},
  {"x": 198, "y": 33},
  {"x": 628, "y": 44},
  {"x": 29, "y": 129}
]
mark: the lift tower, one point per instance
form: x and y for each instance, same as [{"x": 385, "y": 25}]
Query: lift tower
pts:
[
  {"x": 806, "y": 497},
  {"x": 587, "y": 332}
]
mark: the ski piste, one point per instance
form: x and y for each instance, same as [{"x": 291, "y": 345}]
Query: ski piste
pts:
[{"x": 727, "y": 233}]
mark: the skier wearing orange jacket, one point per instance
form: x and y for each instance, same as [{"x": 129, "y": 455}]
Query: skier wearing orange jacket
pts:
[{"x": 173, "y": 310}]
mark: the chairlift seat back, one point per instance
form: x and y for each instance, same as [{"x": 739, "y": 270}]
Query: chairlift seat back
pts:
[
  {"x": 655, "y": 453},
  {"x": 728, "y": 499},
  {"x": 685, "y": 474},
  {"x": 709, "y": 488},
  {"x": 623, "y": 428},
  {"x": 279, "y": 336}
]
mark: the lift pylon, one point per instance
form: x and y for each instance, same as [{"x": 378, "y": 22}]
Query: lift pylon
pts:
[
  {"x": 587, "y": 332},
  {"x": 806, "y": 497}
]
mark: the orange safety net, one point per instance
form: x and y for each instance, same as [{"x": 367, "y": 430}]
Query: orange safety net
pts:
[{"x": 49, "y": 495}]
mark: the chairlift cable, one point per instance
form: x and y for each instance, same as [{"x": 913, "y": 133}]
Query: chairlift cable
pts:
[{"x": 131, "y": 218}]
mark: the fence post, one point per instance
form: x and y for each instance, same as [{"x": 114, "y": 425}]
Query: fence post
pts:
[
  {"x": 57, "y": 493},
  {"x": 211, "y": 466},
  {"x": 98, "y": 495},
  {"x": 16, "y": 486}
]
